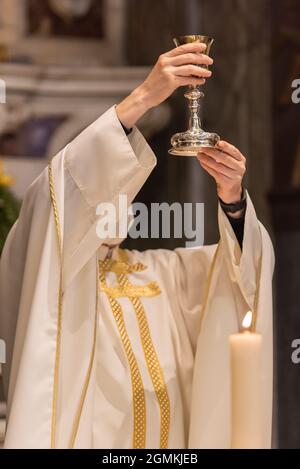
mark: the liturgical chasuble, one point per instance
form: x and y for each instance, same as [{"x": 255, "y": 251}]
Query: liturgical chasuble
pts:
[{"x": 119, "y": 349}]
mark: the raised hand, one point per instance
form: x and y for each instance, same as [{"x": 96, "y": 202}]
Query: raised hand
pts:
[{"x": 180, "y": 66}]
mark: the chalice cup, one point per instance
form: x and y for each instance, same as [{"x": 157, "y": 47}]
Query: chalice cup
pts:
[{"x": 189, "y": 143}]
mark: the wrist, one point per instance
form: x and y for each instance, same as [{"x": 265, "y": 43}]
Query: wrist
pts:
[
  {"x": 231, "y": 197},
  {"x": 143, "y": 98},
  {"x": 133, "y": 107},
  {"x": 235, "y": 208}
]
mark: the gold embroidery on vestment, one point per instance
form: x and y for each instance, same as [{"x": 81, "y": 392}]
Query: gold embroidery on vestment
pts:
[{"x": 134, "y": 293}]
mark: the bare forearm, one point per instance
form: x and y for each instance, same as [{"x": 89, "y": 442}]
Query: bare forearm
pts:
[{"x": 132, "y": 108}]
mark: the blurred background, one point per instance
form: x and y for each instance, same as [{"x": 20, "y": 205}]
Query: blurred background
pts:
[{"x": 64, "y": 62}]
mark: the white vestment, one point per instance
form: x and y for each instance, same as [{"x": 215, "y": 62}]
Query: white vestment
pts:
[{"x": 154, "y": 363}]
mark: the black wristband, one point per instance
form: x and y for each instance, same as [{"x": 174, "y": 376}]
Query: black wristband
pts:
[
  {"x": 237, "y": 206},
  {"x": 127, "y": 131}
]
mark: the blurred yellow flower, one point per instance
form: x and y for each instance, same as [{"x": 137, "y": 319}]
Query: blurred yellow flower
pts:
[{"x": 5, "y": 179}]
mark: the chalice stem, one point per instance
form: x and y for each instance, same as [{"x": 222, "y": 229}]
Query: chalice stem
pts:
[{"x": 194, "y": 107}]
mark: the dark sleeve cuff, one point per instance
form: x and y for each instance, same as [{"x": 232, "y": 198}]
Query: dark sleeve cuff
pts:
[
  {"x": 127, "y": 131},
  {"x": 237, "y": 225}
]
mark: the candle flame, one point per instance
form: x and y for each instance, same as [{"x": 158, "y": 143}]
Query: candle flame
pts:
[{"x": 247, "y": 321}]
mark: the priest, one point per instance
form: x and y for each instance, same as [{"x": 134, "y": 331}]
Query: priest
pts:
[{"x": 110, "y": 348}]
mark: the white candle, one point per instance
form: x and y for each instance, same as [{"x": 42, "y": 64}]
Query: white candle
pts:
[{"x": 246, "y": 387}]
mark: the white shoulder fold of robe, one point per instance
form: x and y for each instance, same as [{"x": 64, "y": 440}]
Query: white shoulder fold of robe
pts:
[{"x": 96, "y": 167}]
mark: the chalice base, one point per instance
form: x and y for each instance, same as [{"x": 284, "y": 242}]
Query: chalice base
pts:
[{"x": 190, "y": 143}]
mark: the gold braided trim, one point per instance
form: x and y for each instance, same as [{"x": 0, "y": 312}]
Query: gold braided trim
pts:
[
  {"x": 151, "y": 289},
  {"x": 138, "y": 393},
  {"x": 153, "y": 365},
  {"x": 122, "y": 256},
  {"x": 87, "y": 378},
  {"x": 151, "y": 357},
  {"x": 76, "y": 422},
  {"x": 59, "y": 314},
  {"x": 122, "y": 268}
]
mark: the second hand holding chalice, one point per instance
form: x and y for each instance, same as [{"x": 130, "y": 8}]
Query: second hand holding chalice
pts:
[{"x": 189, "y": 143}]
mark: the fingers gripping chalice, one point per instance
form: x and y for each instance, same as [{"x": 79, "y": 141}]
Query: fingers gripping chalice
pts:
[{"x": 189, "y": 143}]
